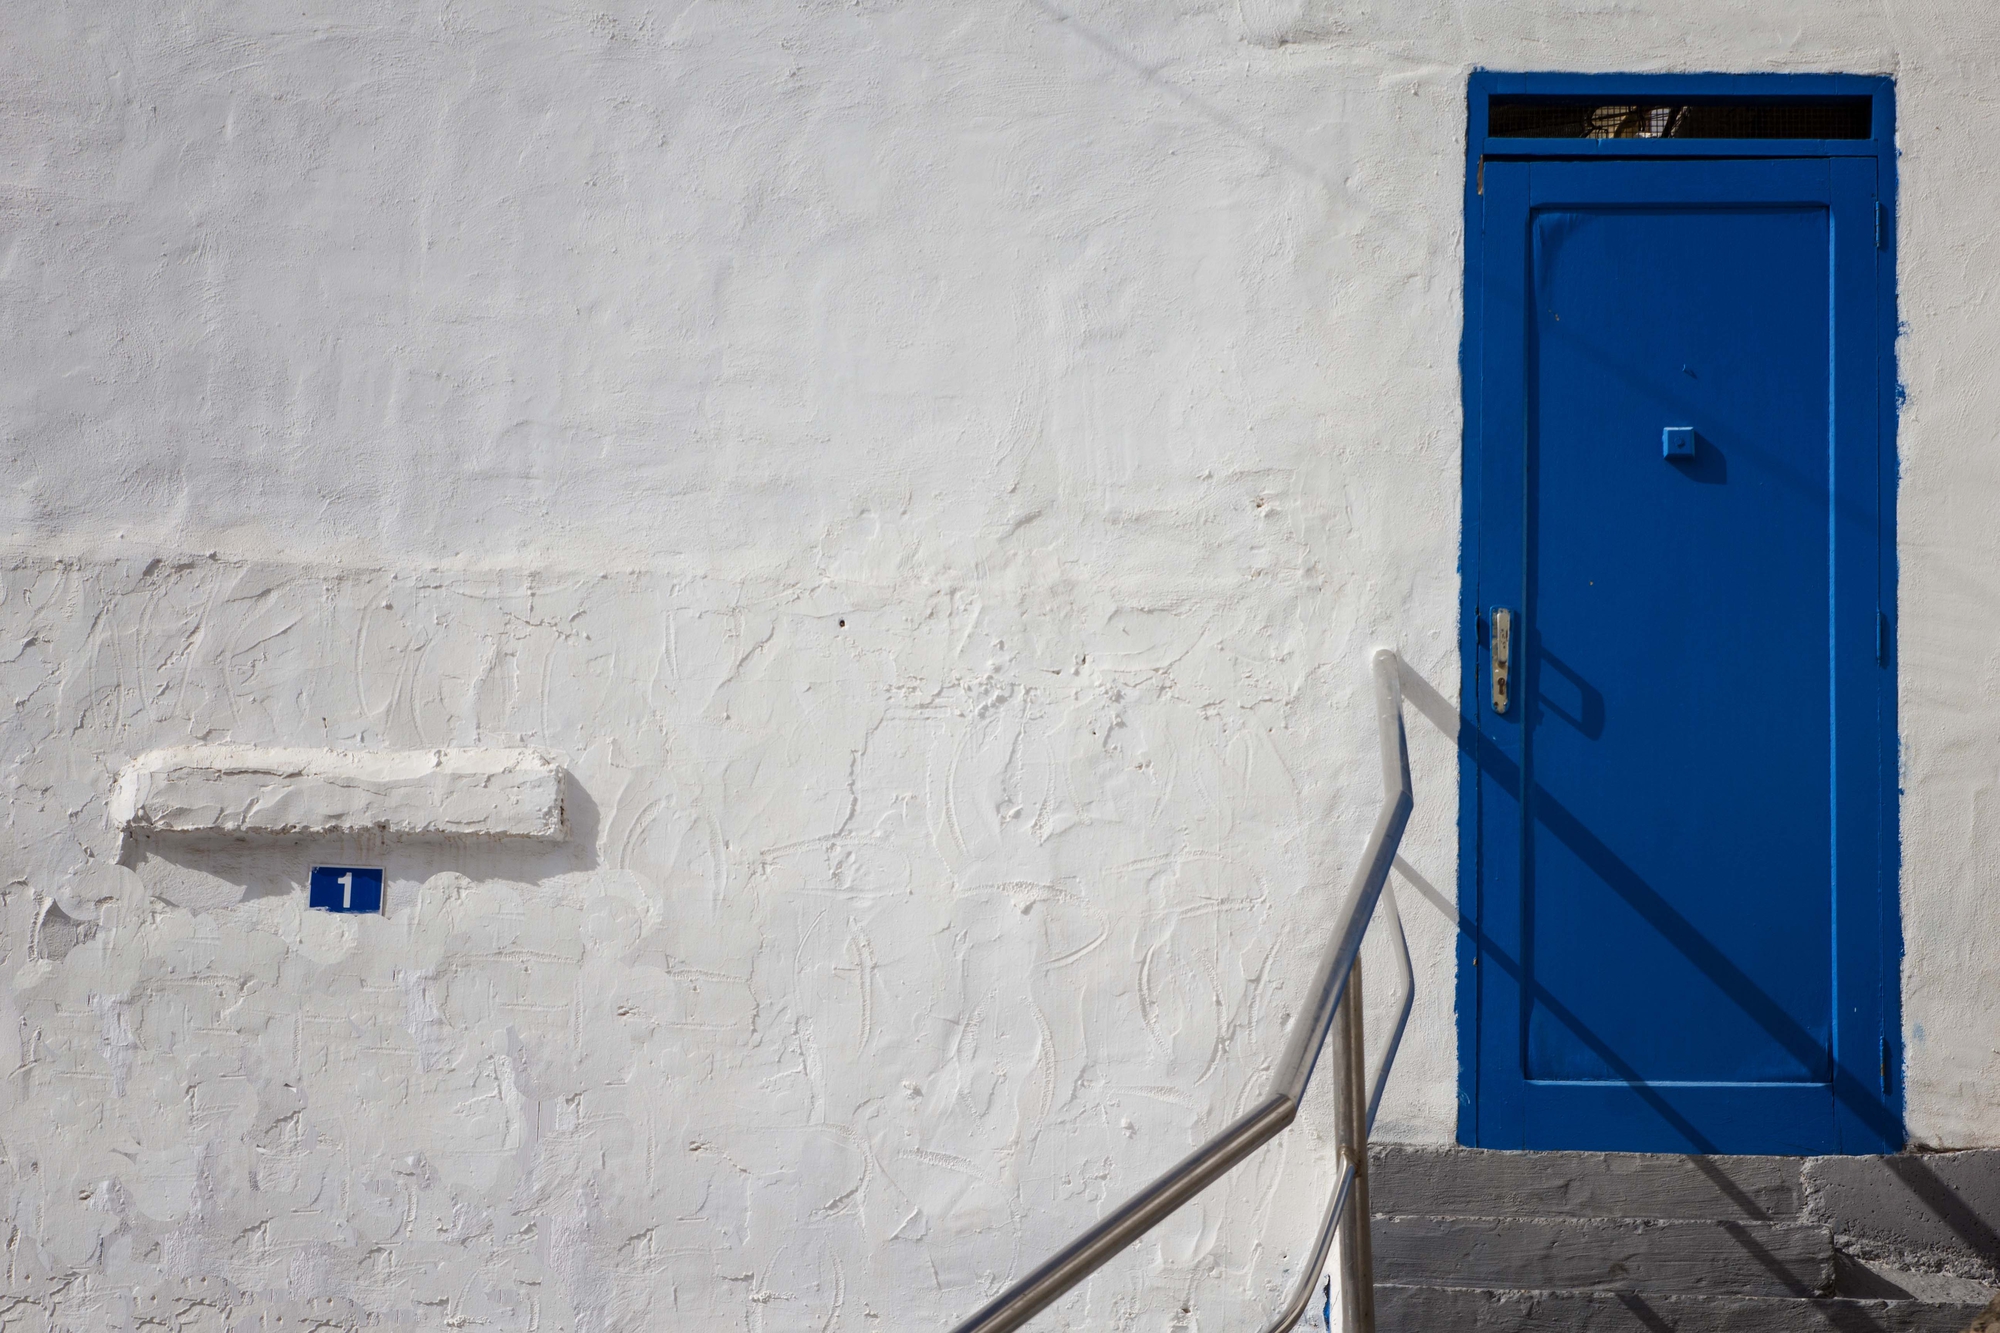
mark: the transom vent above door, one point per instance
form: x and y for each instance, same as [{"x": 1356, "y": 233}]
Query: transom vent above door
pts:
[{"x": 1592, "y": 118}]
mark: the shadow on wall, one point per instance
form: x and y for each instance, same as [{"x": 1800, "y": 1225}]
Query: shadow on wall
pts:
[{"x": 204, "y": 872}]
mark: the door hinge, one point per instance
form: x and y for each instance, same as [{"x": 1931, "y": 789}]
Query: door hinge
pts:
[
  {"x": 1885, "y": 1066},
  {"x": 1881, "y": 224},
  {"x": 1881, "y": 638}
]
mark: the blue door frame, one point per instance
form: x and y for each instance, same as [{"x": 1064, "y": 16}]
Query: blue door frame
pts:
[{"x": 1535, "y": 1071}]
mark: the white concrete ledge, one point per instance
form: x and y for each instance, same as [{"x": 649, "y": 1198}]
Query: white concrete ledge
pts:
[{"x": 246, "y": 790}]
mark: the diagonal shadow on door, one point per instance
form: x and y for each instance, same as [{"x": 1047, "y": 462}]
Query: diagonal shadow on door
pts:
[{"x": 1733, "y": 981}]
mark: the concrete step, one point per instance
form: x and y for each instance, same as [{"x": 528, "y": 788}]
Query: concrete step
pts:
[
  {"x": 1603, "y": 1254},
  {"x": 1486, "y": 1241},
  {"x": 1472, "y": 1182},
  {"x": 1935, "y": 1210},
  {"x": 1436, "y": 1309},
  {"x": 1893, "y": 1279}
]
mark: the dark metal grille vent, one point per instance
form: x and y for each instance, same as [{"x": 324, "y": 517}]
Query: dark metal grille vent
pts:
[{"x": 1568, "y": 118}]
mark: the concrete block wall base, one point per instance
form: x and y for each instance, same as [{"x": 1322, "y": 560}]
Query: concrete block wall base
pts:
[{"x": 1483, "y": 1241}]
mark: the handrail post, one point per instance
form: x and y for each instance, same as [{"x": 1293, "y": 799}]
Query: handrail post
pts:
[{"x": 1357, "y": 1258}]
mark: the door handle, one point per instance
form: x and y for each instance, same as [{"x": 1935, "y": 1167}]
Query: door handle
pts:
[{"x": 1502, "y": 654}]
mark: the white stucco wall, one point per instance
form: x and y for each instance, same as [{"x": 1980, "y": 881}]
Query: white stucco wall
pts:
[{"x": 934, "y": 474}]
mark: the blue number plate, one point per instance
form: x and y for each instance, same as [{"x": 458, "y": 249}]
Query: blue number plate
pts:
[{"x": 345, "y": 889}]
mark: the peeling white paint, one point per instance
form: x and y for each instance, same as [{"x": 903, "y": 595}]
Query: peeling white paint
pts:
[{"x": 935, "y": 472}]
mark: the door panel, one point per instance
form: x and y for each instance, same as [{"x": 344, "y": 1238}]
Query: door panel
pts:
[
  {"x": 1662, "y": 887},
  {"x": 1678, "y": 614}
]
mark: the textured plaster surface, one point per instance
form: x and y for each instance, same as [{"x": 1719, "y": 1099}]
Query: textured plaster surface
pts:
[
  {"x": 935, "y": 473},
  {"x": 877, "y": 956},
  {"x": 254, "y": 790}
]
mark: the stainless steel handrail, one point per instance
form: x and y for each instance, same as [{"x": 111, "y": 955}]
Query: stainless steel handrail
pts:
[
  {"x": 1307, "y": 1282},
  {"x": 1280, "y": 1106}
]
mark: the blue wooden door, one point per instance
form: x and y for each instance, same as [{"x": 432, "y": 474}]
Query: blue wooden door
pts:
[{"x": 1680, "y": 876}]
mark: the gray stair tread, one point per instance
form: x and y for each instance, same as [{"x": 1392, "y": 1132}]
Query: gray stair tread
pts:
[
  {"x": 1404, "y": 1309},
  {"x": 1596, "y": 1254},
  {"x": 1876, "y": 1279},
  {"x": 1479, "y": 1182},
  {"x": 1945, "y": 1203}
]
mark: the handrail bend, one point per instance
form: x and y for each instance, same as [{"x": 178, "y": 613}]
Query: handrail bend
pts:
[{"x": 1126, "y": 1223}]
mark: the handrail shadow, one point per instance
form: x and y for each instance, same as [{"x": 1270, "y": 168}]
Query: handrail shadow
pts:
[{"x": 1621, "y": 878}]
